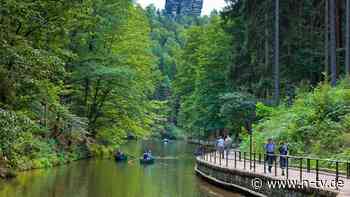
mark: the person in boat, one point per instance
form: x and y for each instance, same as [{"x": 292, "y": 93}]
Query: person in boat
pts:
[
  {"x": 150, "y": 154},
  {"x": 147, "y": 155},
  {"x": 119, "y": 153}
]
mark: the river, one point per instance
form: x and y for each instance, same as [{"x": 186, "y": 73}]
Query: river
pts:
[{"x": 171, "y": 176}]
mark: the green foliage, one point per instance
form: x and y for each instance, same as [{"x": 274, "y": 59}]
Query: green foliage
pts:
[
  {"x": 13, "y": 127},
  {"x": 317, "y": 123},
  {"x": 200, "y": 80},
  {"x": 238, "y": 109},
  {"x": 73, "y": 75}
]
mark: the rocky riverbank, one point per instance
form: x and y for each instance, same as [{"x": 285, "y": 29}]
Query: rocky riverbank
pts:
[{"x": 6, "y": 173}]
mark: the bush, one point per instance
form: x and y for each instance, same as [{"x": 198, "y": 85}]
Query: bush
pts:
[
  {"x": 318, "y": 123},
  {"x": 13, "y": 127}
]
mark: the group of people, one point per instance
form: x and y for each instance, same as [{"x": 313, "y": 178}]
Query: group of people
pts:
[
  {"x": 270, "y": 149},
  {"x": 223, "y": 145}
]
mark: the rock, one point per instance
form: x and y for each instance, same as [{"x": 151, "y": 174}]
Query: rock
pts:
[
  {"x": 7, "y": 173},
  {"x": 179, "y": 8}
]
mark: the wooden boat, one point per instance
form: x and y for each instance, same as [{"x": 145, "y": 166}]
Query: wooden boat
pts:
[
  {"x": 147, "y": 161},
  {"x": 121, "y": 158}
]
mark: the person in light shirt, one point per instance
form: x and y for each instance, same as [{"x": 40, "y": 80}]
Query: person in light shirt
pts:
[
  {"x": 220, "y": 144},
  {"x": 270, "y": 153},
  {"x": 228, "y": 144}
]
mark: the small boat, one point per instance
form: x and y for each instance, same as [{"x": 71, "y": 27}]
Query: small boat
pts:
[
  {"x": 147, "y": 161},
  {"x": 121, "y": 158},
  {"x": 165, "y": 140}
]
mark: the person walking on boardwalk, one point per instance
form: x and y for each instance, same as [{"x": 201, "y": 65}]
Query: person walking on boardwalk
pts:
[
  {"x": 283, "y": 149},
  {"x": 270, "y": 153},
  {"x": 220, "y": 144},
  {"x": 228, "y": 144}
]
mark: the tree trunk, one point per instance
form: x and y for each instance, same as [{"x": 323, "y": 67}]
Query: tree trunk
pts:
[
  {"x": 333, "y": 44},
  {"x": 347, "y": 58},
  {"x": 276, "y": 55},
  {"x": 267, "y": 50},
  {"x": 267, "y": 42},
  {"x": 339, "y": 24},
  {"x": 326, "y": 38}
]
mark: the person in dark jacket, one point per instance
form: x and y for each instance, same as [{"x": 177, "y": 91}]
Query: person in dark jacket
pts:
[
  {"x": 270, "y": 153},
  {"x": 283, "y": 149}
]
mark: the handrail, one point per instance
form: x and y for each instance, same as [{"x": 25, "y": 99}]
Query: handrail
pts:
[
  {"x": 299, "y": 157},
  {"x": 210, "y": 154}
]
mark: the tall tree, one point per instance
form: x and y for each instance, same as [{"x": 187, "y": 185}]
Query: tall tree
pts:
[
  {"x": 326, "y": 37},
  {"x": 267, "y": 51},
  {"x": 333, "y": 42},
  {"x": 276, "y": 53},
  {"x": 347, "y": 56}
]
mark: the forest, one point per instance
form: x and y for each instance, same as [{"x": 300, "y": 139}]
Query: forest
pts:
[{"x": 76, "y": 77}]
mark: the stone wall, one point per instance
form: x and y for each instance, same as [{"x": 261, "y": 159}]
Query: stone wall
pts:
[{"x": 242, "y": 181}]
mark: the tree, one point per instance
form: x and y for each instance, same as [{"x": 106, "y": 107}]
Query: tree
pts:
[
  {"x": 276, "y": 53},
  {"x": 333, "y": 43},
  {"x": 326, "y": 38},
  {"x": 201, "y": 77},
  {"x": 81, "y": 73},
  {"x": 347, "y": 55}
]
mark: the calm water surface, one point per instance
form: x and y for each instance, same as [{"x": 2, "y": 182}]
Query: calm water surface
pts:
[{"x": 171, "y": 176}]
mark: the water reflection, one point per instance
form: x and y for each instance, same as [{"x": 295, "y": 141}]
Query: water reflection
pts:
[{"x": 171, "y": 176}]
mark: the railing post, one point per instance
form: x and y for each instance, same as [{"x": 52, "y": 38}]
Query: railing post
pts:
[
  {"x": 244, "y": 163},
  {"x": 211, "y": 156},
  {"x": 287, "y": 167},
  {"x": 347, "y": 170},
  {"x": 308, "y": 165},
  {"x": 259, "y": 158},
  {"x": 205, "y": 153},
  {"x": 301, "y": 170},
  {"x": 254, "y": 155},
  {"x": 317, "y": 170},
  {"x": 227, "y": 160},
  {"x": 202, "y": 155},
  {"x": 215, "y": 157},
  {"x": 235, "y": 159},
  {"x": 240, "y": 155},
  {"x": 275, "y": 158},
  {"x": 336, "y": 172},
  {"x": 220, "y": 158},
  {"x": 250, "y": 161},
  {"x": 264, "y": 163}
]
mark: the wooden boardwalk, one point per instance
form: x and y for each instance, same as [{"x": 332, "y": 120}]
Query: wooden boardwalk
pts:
[{"x": 294, "y": 174}]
